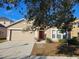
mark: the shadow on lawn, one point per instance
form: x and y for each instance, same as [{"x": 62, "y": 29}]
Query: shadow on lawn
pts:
[
  {"x": 70, "y": 47},
  {"x": 68, "y": 50}
]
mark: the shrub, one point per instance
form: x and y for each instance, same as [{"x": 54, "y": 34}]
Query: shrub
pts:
[
  {"x": 62, "y": 41},
  {"x": 48, "y": 40},
  {"x": 73, "y": 41}
]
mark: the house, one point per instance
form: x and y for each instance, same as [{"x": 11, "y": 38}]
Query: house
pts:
[
  {"x": 18, "y": 32},
  {"x": 75, "y": 29},
  {"x": 4, "y": 22}
]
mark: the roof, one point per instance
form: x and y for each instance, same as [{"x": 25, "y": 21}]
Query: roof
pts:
[
  {"x": 2, "y": 25},
  {"x": 5, "y": 18},
  {"x": 17, "y": 22},
  {"x": 77, "y": 20}
]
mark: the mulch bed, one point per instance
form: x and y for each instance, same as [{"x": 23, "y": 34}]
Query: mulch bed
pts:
[
  {"x": 45, "y": 49},
  {"x": 54, "y": 49}
]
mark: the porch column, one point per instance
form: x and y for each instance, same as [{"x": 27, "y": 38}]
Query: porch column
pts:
[
  {"x": 36, "y": 34},
  {"x": 9, "y": 32}
]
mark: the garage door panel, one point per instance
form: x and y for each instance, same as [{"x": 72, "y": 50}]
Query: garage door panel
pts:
[{"x": 24, "y": 36}]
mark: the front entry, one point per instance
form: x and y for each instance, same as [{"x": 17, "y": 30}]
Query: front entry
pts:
[{"x": 41, "y": 35}]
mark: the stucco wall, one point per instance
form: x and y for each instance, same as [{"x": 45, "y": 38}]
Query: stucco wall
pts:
[
  {"x": 3, "y": 32},
  {"x": 75, "y": 29},
  {"x": 49, "y": 34},
  {"x": 16, "y": 33},
  {"x": 22, "y": 24},
  {"x": 74, "y": 32}
]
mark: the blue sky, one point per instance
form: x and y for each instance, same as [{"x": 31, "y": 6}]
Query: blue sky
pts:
[
  {"x": 14, "y": 14},
  {"x": 76, "y": 14}
]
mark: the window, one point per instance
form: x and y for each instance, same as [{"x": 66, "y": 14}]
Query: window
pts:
[
  {"x": 56, "y": 34},
  {"x": 59, "y": 36},
  {"x": 53, "y": 33}
]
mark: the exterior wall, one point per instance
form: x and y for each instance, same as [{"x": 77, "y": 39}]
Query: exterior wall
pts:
[
  {"x": 3, "y": 32},
  {"x": 49, "y": 34},
  {"x": 16, "y": 32},
  {"x": 36, "y": 34},
  {"x": 75, "y": 30},
  {"x": 8, "y": 34},
  {"x": 22, "y": 25}
]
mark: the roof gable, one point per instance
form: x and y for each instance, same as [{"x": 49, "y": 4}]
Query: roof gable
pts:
[
  {"x": 17, "y": 22},
  {"x": 6, "y": 19},
  {"x": 2, "y": 25}
]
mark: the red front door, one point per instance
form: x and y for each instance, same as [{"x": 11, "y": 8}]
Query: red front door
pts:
[{"x": 41, "y": 34}]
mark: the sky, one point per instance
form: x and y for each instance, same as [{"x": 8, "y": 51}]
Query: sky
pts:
[
  {"x": 76, "y": 13},
  {"x": 14, "y": 14}
]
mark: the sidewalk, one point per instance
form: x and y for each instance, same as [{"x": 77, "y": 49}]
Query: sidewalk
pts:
[{"x": 50, "y": 57}]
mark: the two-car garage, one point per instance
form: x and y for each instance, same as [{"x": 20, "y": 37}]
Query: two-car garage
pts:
[{"x": 15, "y": 32}]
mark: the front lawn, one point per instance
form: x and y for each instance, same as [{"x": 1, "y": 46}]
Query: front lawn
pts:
[
  {"x": 46, "y": 49},
  {"x": 54, "y": 49}
]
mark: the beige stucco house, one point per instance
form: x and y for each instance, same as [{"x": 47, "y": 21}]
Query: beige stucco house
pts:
[
  {"x": 4, "y": 22},
  {"x": 75, "y": 29},
  {"x": 18, "y": 32}
]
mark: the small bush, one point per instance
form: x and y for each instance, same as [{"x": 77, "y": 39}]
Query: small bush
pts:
[
  {"x": 48, "y": 40},
  {"x": 73, "y": 41},
  {"x": 62, "y": 41}
]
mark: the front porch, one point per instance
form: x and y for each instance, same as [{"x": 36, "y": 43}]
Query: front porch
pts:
[{"x": 52, "y": 34}]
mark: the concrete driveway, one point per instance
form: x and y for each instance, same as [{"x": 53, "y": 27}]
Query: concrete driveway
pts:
[{"x": 15, "y": 50}]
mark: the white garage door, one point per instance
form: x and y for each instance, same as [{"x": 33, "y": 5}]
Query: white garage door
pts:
[{"x": 23, "y": 36}]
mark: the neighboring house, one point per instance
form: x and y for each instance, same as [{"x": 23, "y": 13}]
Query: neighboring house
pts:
[
  {"x": 75, "y": 29},
  {"x": 4, "y": 22},
  {"x": 16, "y": 32},
  {"x": 3, "y": 31}
]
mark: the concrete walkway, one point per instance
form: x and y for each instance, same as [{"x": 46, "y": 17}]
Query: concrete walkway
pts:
[
  {"x": 50, "y": 57},
  {"x": 15, "y": 50}
]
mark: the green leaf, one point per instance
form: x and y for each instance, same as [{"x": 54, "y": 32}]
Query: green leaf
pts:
[
  {"x": 1, "y": 5},
  {"x": 34, "y": 1},
  {"x": 8, "y": 8},
  {"x": 11, "y": 1}
]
